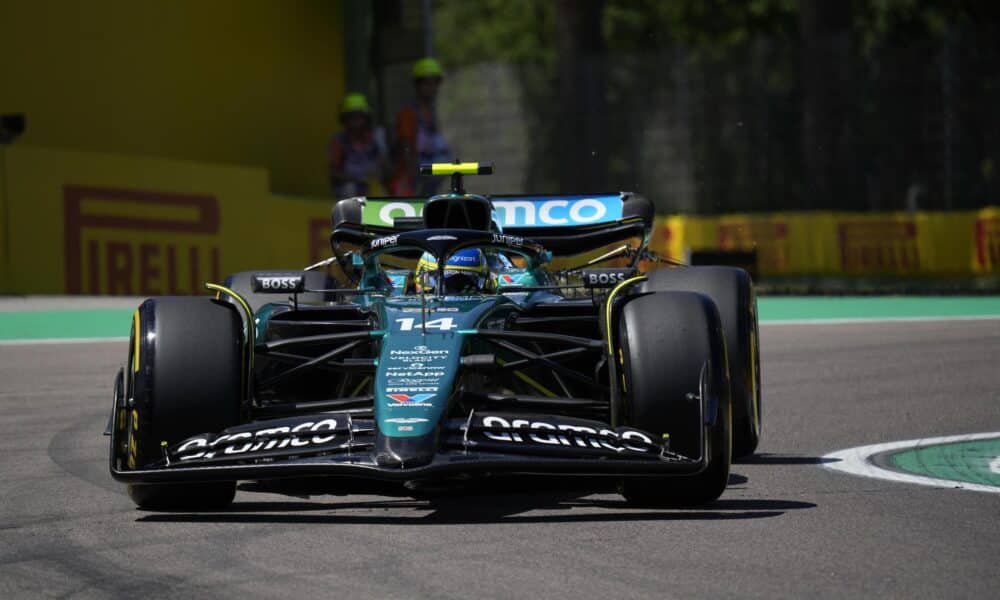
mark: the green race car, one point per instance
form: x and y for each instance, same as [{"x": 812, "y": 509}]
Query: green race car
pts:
[{"x": 458, "y": 351}]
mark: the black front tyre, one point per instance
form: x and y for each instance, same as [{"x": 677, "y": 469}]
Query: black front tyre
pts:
[
  {"x": 732, "y": 292},
  {"x": 673, "y": 352},
  {"x": 184, "y": 376}
]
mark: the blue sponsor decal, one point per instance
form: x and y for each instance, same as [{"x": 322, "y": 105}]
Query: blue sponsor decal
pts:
[{"x": 557, "y": 211}]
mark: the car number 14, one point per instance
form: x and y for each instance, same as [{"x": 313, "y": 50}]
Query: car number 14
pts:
[{"x": 444, "y": 324}]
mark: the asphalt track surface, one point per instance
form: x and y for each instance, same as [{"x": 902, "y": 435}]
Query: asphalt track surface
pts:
[{"x": 786, "y": 527}]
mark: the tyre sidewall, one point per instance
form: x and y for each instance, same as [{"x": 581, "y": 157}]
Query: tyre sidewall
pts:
[
  {"x": 731, "y": 289},
  {"x": 186, "y": 374},
  {"x": 667, "y": 339}
]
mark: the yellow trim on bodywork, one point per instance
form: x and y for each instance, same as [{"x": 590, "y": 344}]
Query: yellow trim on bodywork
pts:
[
  {"x": 608, "y": 304},
  {"x": 246, "y": 307},
  {"x": 135, "y": 350},
  {"x": 469, "y": 168},
  {"x": 250, "y": 334},
  {"x": 608, "y": 324}
]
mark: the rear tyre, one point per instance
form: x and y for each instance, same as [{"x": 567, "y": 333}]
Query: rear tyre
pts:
[
  {"x": 732, "y": 291},
  {"x": 672, "y": 347},
  {"x": 184, "y": 376}
]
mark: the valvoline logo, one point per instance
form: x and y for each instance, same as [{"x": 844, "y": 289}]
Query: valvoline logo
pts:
[{"x": 410, "y": 397}]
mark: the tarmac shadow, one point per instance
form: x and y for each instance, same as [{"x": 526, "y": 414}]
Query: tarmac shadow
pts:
[
  {"x": 782, "y": 459},
  {"x": 473, "y": 510}
]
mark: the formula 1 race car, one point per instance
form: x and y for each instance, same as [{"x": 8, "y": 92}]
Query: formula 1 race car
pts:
[{"x": 484, "y": 359}]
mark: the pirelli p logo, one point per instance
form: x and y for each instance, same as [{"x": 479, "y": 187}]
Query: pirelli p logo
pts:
[
  {"x": 878, "y": 246},
  {"x": 988, "y": 243},
  {"x": 124, "y": 241},
  {"x": 768, "y": 238}
]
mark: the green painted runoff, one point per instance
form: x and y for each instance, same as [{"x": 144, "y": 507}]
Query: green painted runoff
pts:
[
  {"x": 956, "y": 461},
  {"x": 115, "y": 322},
  {"x": 65, "y": 324},
  {"x": 793, "y": 308}
]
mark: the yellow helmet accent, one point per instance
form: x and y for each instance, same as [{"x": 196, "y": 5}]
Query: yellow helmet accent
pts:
[
  {"x": 355, "y": 103},
  {"x": 427, "y": 262},
  {"x": 427, "y": 67}
]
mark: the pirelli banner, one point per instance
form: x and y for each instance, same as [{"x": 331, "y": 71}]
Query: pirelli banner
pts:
[
  {"x": 94, "y": 224},
  {"x": 845, "y": 244}
]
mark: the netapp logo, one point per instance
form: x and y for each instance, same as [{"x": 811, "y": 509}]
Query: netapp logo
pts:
[
  {"x": 263, "y": 284},
  {"x": 517, "y": 430},
  {"x": 261, "y": 440}
]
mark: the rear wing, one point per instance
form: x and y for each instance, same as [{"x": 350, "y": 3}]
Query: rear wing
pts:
[{"x": 567, "y": 224}]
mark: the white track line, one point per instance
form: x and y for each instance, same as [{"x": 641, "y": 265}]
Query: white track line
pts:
[
  {"x": 93, "y": 340},
  {"x": 856, "y": 461},
  {"x": 850, "y": 320},
  {"x": 846, "y": 321}
]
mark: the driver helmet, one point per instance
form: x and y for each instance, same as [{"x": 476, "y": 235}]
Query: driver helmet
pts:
[{"x": 466, "y": 272}]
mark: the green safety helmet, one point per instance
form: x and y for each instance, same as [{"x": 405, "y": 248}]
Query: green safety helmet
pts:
[
  {"x": 355, "y": 103},
  {"x": 427, "y": 68}
]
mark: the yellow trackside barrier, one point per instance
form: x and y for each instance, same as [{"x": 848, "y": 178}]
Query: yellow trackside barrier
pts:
[
  {"x": 90, "y": 223},
  {"x": 225, "y": 81},
  {"x": 922, "y": 244},
  {"x": 4, "y": 226},
  {"x": 986, "y": 241}
]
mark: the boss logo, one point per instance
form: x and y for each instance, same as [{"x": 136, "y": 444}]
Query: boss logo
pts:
[
  {"x": 605, "y": 278},
  {"x": 263, "y": 284}
]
